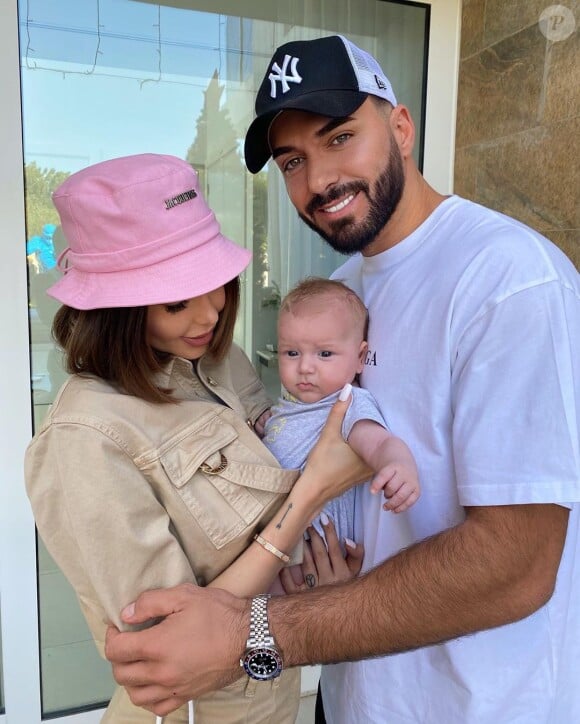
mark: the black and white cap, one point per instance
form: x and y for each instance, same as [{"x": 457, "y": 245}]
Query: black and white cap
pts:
[{"x": 330, "y": 76}]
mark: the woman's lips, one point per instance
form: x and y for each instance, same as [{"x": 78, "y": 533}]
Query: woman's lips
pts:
[{"x": 200, "y": 341}]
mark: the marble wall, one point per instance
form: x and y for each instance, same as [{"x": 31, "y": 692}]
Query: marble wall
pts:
[{"x": 518, "y": 115}]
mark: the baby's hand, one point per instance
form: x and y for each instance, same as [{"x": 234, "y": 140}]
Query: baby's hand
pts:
[
  {"x": 400, "y": 485},
  {"x": 260, "y": 424}
]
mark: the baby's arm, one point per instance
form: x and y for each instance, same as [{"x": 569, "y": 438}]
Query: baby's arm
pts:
[{"x": 395, "y": 470}]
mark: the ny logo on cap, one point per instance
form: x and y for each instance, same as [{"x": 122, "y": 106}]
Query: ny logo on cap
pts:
[{"x": 280, "y": 74}]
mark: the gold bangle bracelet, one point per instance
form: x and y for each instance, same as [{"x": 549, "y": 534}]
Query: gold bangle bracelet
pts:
[{"x": 271, "y": 548}]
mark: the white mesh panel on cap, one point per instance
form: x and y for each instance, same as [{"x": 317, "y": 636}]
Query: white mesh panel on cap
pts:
[{"x": 367, "y": 71}]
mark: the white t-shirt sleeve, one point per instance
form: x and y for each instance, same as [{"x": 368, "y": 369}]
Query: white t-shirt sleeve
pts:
[{"x": 515, "y": 398}]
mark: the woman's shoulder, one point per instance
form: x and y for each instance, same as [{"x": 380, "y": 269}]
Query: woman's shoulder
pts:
[
  {"x": 82, "y": 392},
  {"x": 91, "y": 402},
  {"x": 237, "y": 354}
]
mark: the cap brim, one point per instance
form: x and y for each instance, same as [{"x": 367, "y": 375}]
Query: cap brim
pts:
[
  {"x": 191, "y": 274},
  {"x": 330, "y": 103}
]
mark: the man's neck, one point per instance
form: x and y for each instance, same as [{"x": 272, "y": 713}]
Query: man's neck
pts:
[{"x": 417, "y": 203}]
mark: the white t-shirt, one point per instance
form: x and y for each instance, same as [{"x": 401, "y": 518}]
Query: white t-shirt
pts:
[{"x": 474, "y": 352}]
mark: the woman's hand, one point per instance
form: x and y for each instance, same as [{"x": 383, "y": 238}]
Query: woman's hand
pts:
[
  {"x": 260, "y": 424},
  {"x": 322, "y": 565},
  {"x": 332, "y": 466}
]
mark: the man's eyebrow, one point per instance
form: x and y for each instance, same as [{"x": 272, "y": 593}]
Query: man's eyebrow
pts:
[
  {"x": 280, "y": 150},
  {"x": 331, "y": 125},
  {"x": 327, "y": 128}
]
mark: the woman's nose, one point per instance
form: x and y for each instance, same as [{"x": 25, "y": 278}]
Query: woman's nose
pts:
[{"x": 205, "y": 310}]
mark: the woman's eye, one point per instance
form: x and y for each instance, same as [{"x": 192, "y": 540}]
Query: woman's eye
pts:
[{"x": 174, "y": 308}]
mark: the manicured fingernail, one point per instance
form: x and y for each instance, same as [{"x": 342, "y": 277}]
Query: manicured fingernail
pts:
[
  {"x": 324, "y": 519},
  {"x": 345, "y": 392},
  {"x": 128, "y": 611},
  {"x": 306, "y": 535},
  {"x": 350, "y": 543}
]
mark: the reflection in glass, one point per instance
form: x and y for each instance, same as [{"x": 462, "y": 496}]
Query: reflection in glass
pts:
[{"x": 105, "y": 78}]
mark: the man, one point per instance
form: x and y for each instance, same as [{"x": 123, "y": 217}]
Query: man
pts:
[{"x": 470, "y": 599}]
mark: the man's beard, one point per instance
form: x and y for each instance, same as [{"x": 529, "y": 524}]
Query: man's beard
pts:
[{"x": 347, "y": 236}]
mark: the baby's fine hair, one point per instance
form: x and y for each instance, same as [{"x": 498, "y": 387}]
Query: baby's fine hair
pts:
[{"x": 334, "y": 291}]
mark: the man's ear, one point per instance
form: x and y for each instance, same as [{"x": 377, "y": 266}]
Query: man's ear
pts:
[
  {"x": 364, "y": 347},
  {"x": 403, "y": 129}
]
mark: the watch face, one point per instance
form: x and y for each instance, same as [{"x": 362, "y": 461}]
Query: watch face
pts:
[{"x": 263, "y": 663}]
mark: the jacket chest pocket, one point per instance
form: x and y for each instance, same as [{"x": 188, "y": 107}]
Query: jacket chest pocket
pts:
[{"x": 226, "y": 479}]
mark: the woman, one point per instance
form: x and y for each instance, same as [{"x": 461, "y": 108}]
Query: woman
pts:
[{"x": 145, "y": 473}]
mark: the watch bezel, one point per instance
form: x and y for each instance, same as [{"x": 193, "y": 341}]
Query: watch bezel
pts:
[{"x": 261, "y": 650}]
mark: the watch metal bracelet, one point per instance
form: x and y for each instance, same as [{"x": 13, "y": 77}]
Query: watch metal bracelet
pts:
[{"x": 259, "y": 628}]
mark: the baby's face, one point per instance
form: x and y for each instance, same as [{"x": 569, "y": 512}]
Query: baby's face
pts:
[{"x": 319, "y": 350}]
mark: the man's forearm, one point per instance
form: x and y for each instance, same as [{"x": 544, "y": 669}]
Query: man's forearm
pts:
[{"x": 497, "y": 567}]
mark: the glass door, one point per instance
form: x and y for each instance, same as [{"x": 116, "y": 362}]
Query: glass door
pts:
[
  {"x": 103, "y": 78},
  {"x": 1, "y": 677}
]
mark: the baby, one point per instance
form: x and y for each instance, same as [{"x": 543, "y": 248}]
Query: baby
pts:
[{"x": 322, "y": 329}]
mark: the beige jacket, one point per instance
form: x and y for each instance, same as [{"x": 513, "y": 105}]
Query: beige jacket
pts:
[{"x": 118, "y": 493}]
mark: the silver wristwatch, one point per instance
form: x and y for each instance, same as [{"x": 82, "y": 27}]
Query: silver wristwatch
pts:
[{"x": 261, "y": 660}]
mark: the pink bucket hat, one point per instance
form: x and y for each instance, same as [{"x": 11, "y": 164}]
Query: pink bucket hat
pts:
[{"x": 139, "y": 232}]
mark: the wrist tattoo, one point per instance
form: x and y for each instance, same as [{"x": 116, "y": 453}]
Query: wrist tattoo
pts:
[{"x": 279, "y": 525}]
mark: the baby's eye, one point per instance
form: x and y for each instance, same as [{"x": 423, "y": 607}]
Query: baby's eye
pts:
[
  {"x": 291, "y": 353},
  {"x": 174, "y": 308},
  {"x": 325, "y": 353}
]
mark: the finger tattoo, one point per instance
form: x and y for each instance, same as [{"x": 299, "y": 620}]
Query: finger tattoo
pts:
[{"x": 310, "y": 580}]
